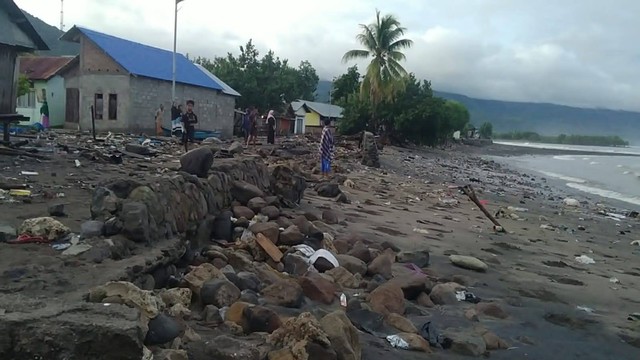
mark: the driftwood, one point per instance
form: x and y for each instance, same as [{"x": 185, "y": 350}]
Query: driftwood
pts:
[
  {"x": 9, "y": 186},
  {"x": 468, "y": 190},
  {"x": 16, "y": 152}
]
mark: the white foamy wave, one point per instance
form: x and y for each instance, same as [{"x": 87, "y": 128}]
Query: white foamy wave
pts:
[
  {"x": 605, "y": 193},
  {"x": 594, "y": 163},
  {"x": 564, "y": 157},
  {"x": 562, "y": 177},
  {"x": 626, "y": 173}
]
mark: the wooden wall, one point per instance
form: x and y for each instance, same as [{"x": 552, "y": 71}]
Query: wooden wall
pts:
[{"x": 8, "y": 79}]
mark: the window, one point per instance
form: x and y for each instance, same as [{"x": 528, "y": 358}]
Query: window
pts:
[
  {"x": 113, "y": 106},
  {"x": 98, "y": 107},
  {"x": 27, "y": 100}
]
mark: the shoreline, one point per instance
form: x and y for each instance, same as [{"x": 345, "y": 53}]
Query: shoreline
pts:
[
  {"x": 407, "y": 205},
  {"x": 517, "y": 150}
]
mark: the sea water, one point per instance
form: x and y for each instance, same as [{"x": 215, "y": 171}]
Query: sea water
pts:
[{"x": 615, "y": 177}]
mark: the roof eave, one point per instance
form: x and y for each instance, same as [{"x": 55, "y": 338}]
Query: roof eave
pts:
[{"x": 23, "y": 23}]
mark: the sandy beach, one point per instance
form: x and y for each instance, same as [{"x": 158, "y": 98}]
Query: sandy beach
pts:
[{"x": 560, "y": 282}]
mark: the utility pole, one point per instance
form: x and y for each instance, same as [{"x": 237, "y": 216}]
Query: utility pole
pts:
[
  {"x": 175, "y": 38},
  {"x": 61, "y": 15}
]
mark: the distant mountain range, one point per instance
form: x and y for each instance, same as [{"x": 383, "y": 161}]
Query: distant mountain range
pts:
[{"x": 545, "y": 119}]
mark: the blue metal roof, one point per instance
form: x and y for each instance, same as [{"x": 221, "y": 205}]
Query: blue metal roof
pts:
[{"x": 143, "y": 60}]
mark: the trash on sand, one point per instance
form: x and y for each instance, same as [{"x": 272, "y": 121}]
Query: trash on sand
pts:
[
  {"x": 585, "y": 309},
  {"x": 517, "y": 209},
  {"x": 60, "y": 246},
  {"x": 322, "y": 253},
  {"x": 634, "y": 317},
  {"x": 467, "y": 296},
  {"x": 29, "y": 173},
  {"x": 78, "y": 163},
  {"x": 19, "y": 192},
  {"x": 76, "y": 248},
  {"x": 421, "y": 231},
  {"x": 614, "y": 280},
  {"x": 343, "y": 300},
  {"x": 430, "y": 333},
  {"x": 635, "y": 242},
  {"x": 585, "y": 260},
  {"x": 397, "y": 342},
  {"x": 306, "y": 250},
  {"x": 547, "y": 227}
]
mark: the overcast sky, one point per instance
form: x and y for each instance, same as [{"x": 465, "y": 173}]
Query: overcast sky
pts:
[{"x": 572, "y": 52}]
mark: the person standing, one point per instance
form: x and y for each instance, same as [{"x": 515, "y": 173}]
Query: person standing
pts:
[
  {"x": 271, "y": 128},
  {"x": 246, "y": 125},
  {"x": 44, "y": 112},
  {"x": 253, "y": 126},
  {"x": 176, "y": 120},
  {"x": 326, "y": 148},
  {"x": 189, "y": 120},
  {"x": 159, "y": 116}
]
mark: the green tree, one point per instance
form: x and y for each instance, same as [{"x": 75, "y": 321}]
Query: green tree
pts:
[
  {"x": 383, "y": 43},
  {"x": 486, "y": 130},
  {"x": 458, "y": 115},
  {"x": 345, "y": 85},
  {"x": 266, "y": 82},
  {"x": 24, "y": 85}
]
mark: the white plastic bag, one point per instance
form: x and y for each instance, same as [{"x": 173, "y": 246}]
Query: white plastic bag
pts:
[{"x": 397, "y": 342}]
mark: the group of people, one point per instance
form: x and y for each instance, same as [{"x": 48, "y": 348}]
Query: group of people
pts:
[
  {"x": 185, "y": 122},
  {"x": 250, "y": 126},
  {"x": 181, "y": 121}
]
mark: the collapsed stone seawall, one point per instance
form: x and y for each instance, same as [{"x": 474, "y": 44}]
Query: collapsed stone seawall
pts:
[{"x": 175, "y": 204}]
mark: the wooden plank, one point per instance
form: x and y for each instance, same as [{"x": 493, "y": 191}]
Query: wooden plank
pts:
[{"x": 270, "y": 248}]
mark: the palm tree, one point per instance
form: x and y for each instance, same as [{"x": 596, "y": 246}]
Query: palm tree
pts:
[{"x": 382, "y": 41}]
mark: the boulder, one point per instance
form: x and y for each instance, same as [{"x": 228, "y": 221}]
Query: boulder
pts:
[
  {"x": 466, "y": 343},
  {"x": 491, "y": 309},
  {"x": 113, "y": 226},
  {"x": 57, "y": 210},
  {"x": 328, "y": 190},
  {"x": 211, "y": 314},
  {"x": 295, "y": 264},
  {"x": 401, "y": 323},
  {"x": 122, "y": 292},
  {"x": 235, "y": 148},
  {"x": 47, "y": 227},
  {"x": 175, "y": 296},
  {"x": 307, "y": 228},
  {"x": 201, "y": 274},
  {"x": 260, "y": 319},
  {"x": 304, "y": 335},
  {"x": 330, "y": 217},
  {"x": 270, "y": 211},
  {"x": 104, "y": 203},
  {"x": 493, "y": 341},
  {"x": 287, "y": 293},
  {"x": 445, "y": 294},
  {"x": 370, "y": 150},
  {"x": 317, "y": 288},
  {"x": 425, "y": 300},
  {"x": 269, "y": 229},
  {"x": 225, "y": 347},
  {"x": 468, "y": 262},
  {"x": 162, "y": 329},
  {"x": 284, "y": 222},
  {"x": 288, "y": 184},
  {"x": 291, "y": 236},
  {"x": 386, "y": 299},
  {"x": 197, "y": 161},
  {"x": 360, "y": 251},
  {"x": 243, "y": 191},
  {"x": 7, "y": 233},
  {"x": 219, "y": 292},
  {"x": 243, "y": 212},
  {"x": 344, "y": 278},
  {"x": 257, "y": 204},
  {"x": 412, "y": 284},
  {"x": 135, "y": 222},
  {"x": 419, "y": 258},
  {"x": 354, "y": 265},
  {"x": 343, "y": 335},
  {"x": 381, "y": 265},
  {"x": 222, "y": 228}
]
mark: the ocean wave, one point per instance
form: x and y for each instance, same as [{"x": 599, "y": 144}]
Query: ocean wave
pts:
[
  {"x": 562, "y": 177},
  {"x": 594, "y": 163},
  {"x": 605, "y": 193},
  {"x": 564, "y": 157}
]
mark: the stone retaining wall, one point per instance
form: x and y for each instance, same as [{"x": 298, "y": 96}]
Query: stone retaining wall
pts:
[{"x": 174, "y": 204}]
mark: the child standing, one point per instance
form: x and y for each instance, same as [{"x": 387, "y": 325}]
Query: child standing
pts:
[{"x": 326, "y": 148}]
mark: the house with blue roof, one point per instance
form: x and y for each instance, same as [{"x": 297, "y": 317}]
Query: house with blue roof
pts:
[{"x": 126, "y": 82}]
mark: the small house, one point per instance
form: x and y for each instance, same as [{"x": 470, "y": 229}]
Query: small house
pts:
[
  {"x": 17, "y": 36},
  {"x": 125, "y": 82},
  {"x": 310, "y": 116},
  {"x": 47, "y": 84}
]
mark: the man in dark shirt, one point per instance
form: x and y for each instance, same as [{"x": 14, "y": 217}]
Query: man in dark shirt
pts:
[{"x": 189, "y": 119}]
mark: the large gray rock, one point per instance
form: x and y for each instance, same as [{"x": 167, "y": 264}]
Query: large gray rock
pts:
[
  {"x": 162, "y": 329},
  {"x": 135, "y": 222},
  {"x": 468, "y": 262},
  {"x": 220, "y": 293},
  {"x": 92, "y": 228},
  {"x": 288, "y": 184},
  {"x": 354, "y": 265},
  {"x": 104, "y": 203},
  {"x": 197, "y": 161},
  {"x": 243, "y": 191},
  {"x": 114, "y": 332},
  {"x": 225, "y": 347},
  {"x": 7, "y": 233}
]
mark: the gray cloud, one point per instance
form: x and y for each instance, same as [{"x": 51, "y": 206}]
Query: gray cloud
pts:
[{"x": 572, "y": 52}]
